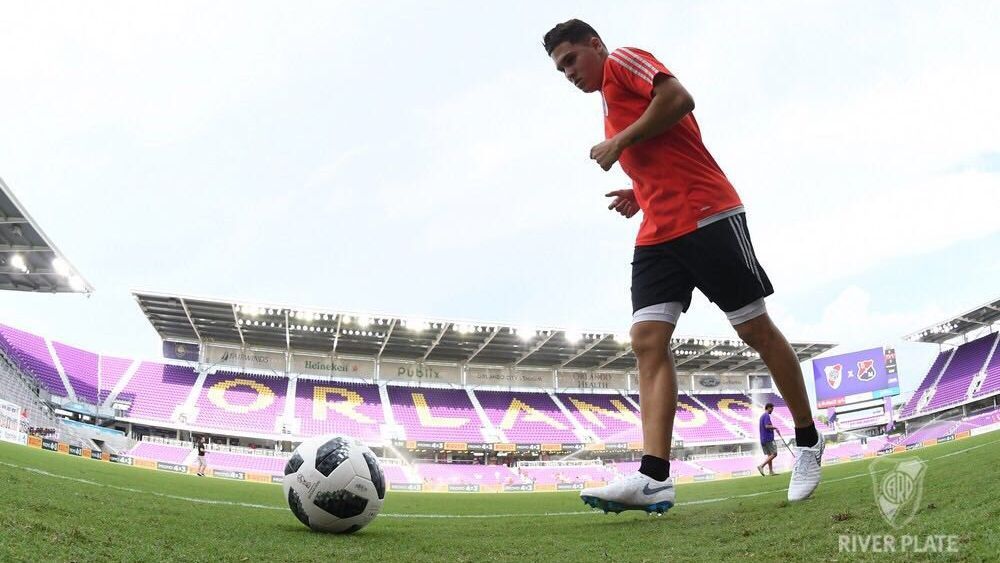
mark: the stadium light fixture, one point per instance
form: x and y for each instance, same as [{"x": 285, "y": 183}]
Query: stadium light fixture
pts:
[
  {"x": 60, "y": 266},
  {"x": 365, "y": 321},
  {"x": 17, "y": 261}
]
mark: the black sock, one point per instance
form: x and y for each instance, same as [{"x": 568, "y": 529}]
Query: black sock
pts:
[
  {"x": 655, "y": 467},
  {"x": 806, "y": 437}
]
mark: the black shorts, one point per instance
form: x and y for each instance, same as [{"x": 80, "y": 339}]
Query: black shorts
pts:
[{"x": 718, "y": 259}]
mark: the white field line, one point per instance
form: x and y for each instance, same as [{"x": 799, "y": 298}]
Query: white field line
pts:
[{"x": 45, "y": 473}]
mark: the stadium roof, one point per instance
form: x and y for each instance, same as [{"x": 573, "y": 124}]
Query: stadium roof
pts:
[
  {"x": 981, "y": 317},
  {"x": 28, "y": 260},
  {"x": 257, "y": 325}
]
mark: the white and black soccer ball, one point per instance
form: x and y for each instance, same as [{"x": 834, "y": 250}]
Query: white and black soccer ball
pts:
[{"x": 334, "y": 484}]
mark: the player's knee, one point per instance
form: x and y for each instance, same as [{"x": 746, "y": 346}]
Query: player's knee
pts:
[
  {"x": 757, "y": 333},
  {"x": 649, "y": 342}
]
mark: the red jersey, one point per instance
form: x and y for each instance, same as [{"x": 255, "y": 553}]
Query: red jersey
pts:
[{"x": 677, "y": 183}]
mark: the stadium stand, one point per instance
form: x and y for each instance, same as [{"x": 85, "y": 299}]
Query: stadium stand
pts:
[
  {"x": 527, "y": 417},
  {"x": 435, "y": 414},
  {"x": 31, "y": 354},
  {"x": 249, "y": 404},
  {"x": 611, "y": 418},
  {"x": 969, "y": 359},
  {"x": 156, "y": 390},
  {"x": 932, "y": 374},
  {"x": 325, "y": 407},
  {"x": 230, "y": 400},
  {"x": 950, "y": 377},
  {"x": 160, "y": 452},
  {"x": 80, "y": 367}
]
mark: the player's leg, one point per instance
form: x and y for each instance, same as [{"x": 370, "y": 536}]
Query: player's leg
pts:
[
  {"x": 657, "y": 392},
  {"x": 770, "y": 463},
  {"x": 721, "y": 259},
  {"x": 650, "y": 488},
  {"x": 661, "y": 291},
  {"x": 760, "y": 333}
]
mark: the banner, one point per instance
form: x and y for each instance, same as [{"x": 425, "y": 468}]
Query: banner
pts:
[
  {"x": 475, "y": 375},
  {"x": 51, "y": 445},
  {"x": 519, "y": 488},
  {"x": 328, "y": 366},
  {"x": 573, "y": 447},
  {"x": 278, "y": 479},
  {"x": 532, "y": 448},
  {"x": 234, "y": 475},
  {"x": 463, "y": 488},
  {"x": 174, "y": 467},
  {"x": 946, "y": 438},
  {"x": 414, "y": 487},
  {"x": 245, "y": 358},
  {"x": 705, "y": 477},
  {"x": 96, "y": 454},
  {"x": 569, "y": 486},
  {"x": 124, "y": 460},
  {"x": 480, "y": 447},
  {"x": 13, "y": 423},
  {"x": 592, "y": 380},
  {"x": 852, "y": 378},
  {"x": 418, "y": 372},
  {"x": 180, "y": 351},
  {"x": 616, "y": 446},
  {"x": 75, "y": 450},
  {"x": 422, "y": 445}
]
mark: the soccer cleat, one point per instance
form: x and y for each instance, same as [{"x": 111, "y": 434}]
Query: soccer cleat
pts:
[
  {"x": 760, "y": 469},
  {"x": 635, "y": 492},
  {"x": 806, "y": 472}
]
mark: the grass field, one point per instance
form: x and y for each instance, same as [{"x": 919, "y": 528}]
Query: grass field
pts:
[{"x": 55, "y": 507}]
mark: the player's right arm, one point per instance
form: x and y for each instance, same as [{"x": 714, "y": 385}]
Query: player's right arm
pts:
[{"x": 624, "y": 202}]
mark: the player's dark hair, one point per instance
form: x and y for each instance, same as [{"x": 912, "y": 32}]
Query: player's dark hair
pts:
[
  {"x": 769, "y": 406},
  {"x": 575, "y": 31}
]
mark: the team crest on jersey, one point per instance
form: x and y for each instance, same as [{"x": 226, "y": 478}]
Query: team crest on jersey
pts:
[
  {"x": 833, "y": 375},
  {"x": 866, "y": 370}
]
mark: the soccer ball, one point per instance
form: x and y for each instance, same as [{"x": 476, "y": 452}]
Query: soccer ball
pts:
[{"x": 334, "y": 484}]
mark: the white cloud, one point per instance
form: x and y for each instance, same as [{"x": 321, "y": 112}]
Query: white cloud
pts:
[{"x": 398, "y": 158}]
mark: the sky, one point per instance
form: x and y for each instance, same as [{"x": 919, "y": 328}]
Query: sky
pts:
[{"x": 426, "y": 159}]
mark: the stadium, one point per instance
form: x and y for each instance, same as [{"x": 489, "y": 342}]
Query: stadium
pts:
[
  {"x": 449, "y": 405},
  {"x": 321, "y": 301}
]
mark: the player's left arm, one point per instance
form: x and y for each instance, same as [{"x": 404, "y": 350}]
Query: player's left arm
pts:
[{"x": 670, "y": 103}]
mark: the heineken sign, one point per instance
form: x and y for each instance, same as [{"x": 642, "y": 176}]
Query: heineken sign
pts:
[{"x": 329, "y": 366}]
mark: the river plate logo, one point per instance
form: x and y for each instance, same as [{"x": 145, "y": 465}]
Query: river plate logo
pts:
[
  {"x": 899, "y": 487},
  {"x": 833, "y": 375}
]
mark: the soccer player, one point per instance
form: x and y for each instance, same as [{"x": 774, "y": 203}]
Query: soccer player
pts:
[
  {"x": 201, "y": 456},
  {"x": 767, "y": 440},
  {"x": 693, "y": 235}
]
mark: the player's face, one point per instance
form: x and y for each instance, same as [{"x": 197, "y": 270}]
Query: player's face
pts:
[{"x": 582, "y": 65}]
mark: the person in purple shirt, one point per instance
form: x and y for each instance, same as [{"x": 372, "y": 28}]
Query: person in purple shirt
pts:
[{"x": 767, "y": 440}]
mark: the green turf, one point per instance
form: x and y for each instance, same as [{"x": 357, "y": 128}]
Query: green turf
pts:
[{"x": 48, "y": 518}]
